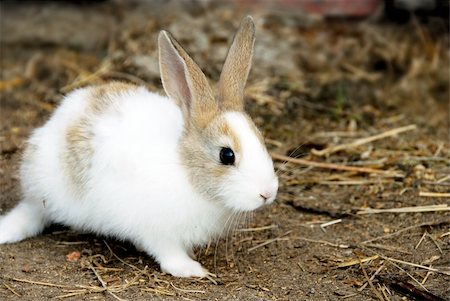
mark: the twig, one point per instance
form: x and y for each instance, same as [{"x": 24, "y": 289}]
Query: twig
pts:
[
  {"x": 410, "y": 276},
  {"x": 415, "y": 265},
  {"x": 354, "y": 182},
  {"x": 133, "y": 281},
  {"x": 426, "y": 277},
  {"x": 439, "y": 149},
  {"x": 434, "y": 194},
  {"x": 362, "y": 141},
  {"x": 371, "y": 278},
  {"x": 103, "y": 283},
  {"x": 360, "y": 73},
  {"x": 420, "y": 240},
  {"x": 301, "y": 266},
  {"x": 357, "y": 261},
  {"x": 324, "y": 165},
  {"x": 387, "y": 248},
  {"x": 12, "y": 290},
  {"x": 349, "y": 296},
  {"x": 268, "y": 241},
  {"x": 384, "y": 291},
  {"x": 324, "y": 225},
  {"x": 72, "y": 294},
  {"x": 435, "y": 242},
  {"x": 324, "y": 242},
  {"x": 431, "y": 208},
  {"x": 210, "y": 277},
  {"x": 435, "y": 223},
  {"x": 444, "y": 234},
  {"x": 82, "y": 81},
  {"x": 436, "y": 183},
  {"x": 91, "y": 288},
  {"x": 39, "y": 283},
  {"x": 447, "y": 177},
  {"x": 273, "y": 142},
  {"x": 120, "y": 259},
  {"x": 257, "y": 228},
  {"x": 333, "y": 134},
  {"x": 422, "y": 158},
  {"x": 377, "y": 293},
  {"x": 69, "y": 243}
]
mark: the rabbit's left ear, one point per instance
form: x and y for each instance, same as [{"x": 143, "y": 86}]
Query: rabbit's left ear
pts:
[{"x": 237, "y": 67}]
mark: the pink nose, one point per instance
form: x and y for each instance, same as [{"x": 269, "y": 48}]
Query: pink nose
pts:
[
  {"x": 266, "y": 195},
  {"x": 269, "y": 192}
]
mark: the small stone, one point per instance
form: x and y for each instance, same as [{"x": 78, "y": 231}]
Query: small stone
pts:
[{"x": 74, "y": 256}]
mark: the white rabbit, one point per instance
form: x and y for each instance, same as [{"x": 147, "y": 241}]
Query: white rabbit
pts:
[{"x": 163, "y": 173}]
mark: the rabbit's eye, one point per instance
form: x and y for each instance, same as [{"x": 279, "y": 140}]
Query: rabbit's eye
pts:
[{"x": 227, "y": 156}]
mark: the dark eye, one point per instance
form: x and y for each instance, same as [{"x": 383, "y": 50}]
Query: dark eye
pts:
[{"x": 227, "y": 156}]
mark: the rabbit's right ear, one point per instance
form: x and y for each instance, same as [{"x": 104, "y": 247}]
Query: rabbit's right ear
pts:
[{"x": 185, "y": 83}]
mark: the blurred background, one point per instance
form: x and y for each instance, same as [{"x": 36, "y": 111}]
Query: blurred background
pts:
[
  {"x": 375, "y": 54},
  {"x": 325, "y": 73}
]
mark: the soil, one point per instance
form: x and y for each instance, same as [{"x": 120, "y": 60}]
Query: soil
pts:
[{"x": 314, "y": 84}]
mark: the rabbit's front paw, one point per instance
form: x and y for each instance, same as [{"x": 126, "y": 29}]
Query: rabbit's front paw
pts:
[{"x": 184, "y": 268}]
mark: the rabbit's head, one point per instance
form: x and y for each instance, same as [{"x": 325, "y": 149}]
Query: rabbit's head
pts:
[{"x": 221, "y": 148}]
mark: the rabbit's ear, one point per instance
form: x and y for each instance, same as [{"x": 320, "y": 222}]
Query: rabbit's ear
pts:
[
  {"x": 237, "y": 66},
  {"x": 185, "y": 83}
]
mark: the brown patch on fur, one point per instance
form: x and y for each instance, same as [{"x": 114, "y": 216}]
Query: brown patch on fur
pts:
[
  {"x": 200, "y": 157},
  {"x": 77, "y": 157},
  {"x": 104, "y": 96},
  {"x": 78, "y": 153},
  {"x": 200, "y": 153},
  {"x": 224, "y": 129}
]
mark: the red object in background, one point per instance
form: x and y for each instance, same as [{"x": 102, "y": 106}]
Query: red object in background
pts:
[
  {"x": 326, "y": 8},
  {"x": 336, "y": 8}
]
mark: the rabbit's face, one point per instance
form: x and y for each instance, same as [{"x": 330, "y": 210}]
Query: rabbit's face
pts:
[{"x": 228, "y": 162}]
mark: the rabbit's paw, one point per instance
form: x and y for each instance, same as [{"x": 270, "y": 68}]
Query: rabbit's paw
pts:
[{"x": 184, "y": 268}]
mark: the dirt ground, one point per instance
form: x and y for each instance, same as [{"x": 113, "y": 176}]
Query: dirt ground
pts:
[{"x": 315, "y": 84}]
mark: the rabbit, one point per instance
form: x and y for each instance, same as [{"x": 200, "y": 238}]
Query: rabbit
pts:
[{"x": 165, "y": 173}]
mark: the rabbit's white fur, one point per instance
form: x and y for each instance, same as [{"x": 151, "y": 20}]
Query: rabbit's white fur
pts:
[
  {"x": 131, "y": 180},
  {"x": 140, "y": 190}
]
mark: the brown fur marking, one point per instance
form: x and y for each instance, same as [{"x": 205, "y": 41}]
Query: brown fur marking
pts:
[
  {"x": 77, "y": 156},
  {"x": 78, "y": 153},
  {"x": 200, "y": 151},
  {"x": 104, "y": 96}
]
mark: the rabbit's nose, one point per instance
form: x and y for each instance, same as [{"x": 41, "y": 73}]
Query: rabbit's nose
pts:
[
  {"x": 264, "y": 196},
  {"x": 267, "y": 196}
]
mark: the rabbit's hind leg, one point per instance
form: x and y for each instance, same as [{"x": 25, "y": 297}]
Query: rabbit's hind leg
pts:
[{"x": 25, "y": 220}]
